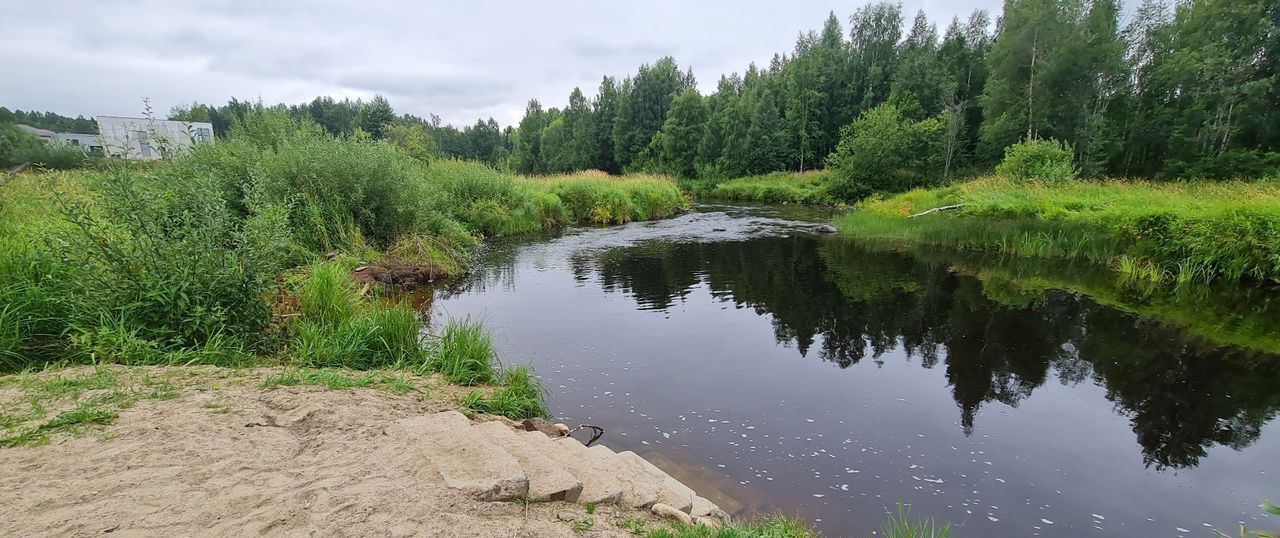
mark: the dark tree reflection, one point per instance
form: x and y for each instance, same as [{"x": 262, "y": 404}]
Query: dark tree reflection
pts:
[{"x": 997, "y": 337}]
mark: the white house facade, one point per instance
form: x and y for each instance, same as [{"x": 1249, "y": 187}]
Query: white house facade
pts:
[
  {"x": 91, "y": 144},
  {"x": 149, "y": 140}
]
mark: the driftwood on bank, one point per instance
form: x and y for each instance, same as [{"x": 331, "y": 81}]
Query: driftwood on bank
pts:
[
  {"x": 13, "y": 172},
  {"x": 936, "y": 209}
]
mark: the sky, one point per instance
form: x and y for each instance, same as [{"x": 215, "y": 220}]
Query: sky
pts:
[{"x": 458, "y": 60}]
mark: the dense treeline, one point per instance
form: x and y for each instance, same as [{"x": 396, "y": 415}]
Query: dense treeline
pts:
[
  {"x": 1177, "y": 91},
  {"x": 1183, "y": 90},
  {"x": 48, "y": 120},
  {"x": 485, "y": 141}
]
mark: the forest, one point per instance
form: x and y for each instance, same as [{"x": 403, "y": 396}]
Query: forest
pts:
[{"x": 1168, "y": 91}]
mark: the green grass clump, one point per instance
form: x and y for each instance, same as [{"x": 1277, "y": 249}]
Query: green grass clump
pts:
[
  {"x": 339, "y": 328},
  {"x": 769, "y": 527},
  {"x": 809, "y": 188},
  {"x": 902, "y": 525},
  {"x": 521, "y": 396},
  {"x": 1180, "y": 232},
  {"x": 464, "y": 352}
]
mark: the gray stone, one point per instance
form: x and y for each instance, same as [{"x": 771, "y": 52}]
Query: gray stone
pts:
[{"x": 668, "y": 511}]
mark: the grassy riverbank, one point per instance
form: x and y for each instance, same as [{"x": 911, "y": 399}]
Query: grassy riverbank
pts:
[
  {"x": 1161, "y": 233},
  {"x": 246, "y": 251},
  {"x": 809, "y": 188}
]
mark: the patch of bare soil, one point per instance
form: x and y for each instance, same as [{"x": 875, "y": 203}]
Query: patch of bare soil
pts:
[
  {"x": 227, "y": 457},
  {"x": 398, "y": 275}
]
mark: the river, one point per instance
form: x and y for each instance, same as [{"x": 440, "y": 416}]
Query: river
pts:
[{"x": 780, "y": 370}]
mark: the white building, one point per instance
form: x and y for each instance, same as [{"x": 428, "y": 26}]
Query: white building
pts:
[
  {"x": 148, "y": 140},
  {"x": 91, "y": 144}
]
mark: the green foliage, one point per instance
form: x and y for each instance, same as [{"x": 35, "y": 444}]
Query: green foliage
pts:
[
  {"x": 170, "y": 262},
  {"x": 521, "y": 396},
  {"x": 341, "y": 380},
  {"x": 902, "y": 525},
  {"x": 1038, "y": 160},
  {"x": 412, "y": 139},
  {"x": 17, "y": 147},
  {"x": 882, "y": 150},
  {"x": 339, "y": 328},
  {"x": 812, "y": 188},
  {"x": 1173, "y": 231},
  {"x": 464, "y": 352}
]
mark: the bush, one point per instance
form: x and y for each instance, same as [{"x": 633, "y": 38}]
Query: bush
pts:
[
  {"x": 172, "y": 264},
  {"x": 883, "y": 150},
  {"x": 1038, "y": 160},
  {"x": 17, "y": 147}
]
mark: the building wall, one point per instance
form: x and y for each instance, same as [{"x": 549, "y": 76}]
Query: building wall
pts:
[
  {"x": 142, "y": 139},
  {"x": 91, "y": 144}
]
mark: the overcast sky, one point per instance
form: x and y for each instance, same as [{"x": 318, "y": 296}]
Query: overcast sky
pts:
[{"x": 459, "y": 60}]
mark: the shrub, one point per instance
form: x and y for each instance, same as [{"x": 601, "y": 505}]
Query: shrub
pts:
[
  {"x": 17, "y": 147},
  {"x": 1038, "y": 160},
  {"x": 883, "y": 150},
  {"x": 172, "y": 264}
]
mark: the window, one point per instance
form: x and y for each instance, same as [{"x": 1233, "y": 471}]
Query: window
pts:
[{"x": 203, "y": 135}]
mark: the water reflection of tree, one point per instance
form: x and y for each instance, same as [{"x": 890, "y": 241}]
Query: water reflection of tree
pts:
[{"x": 998, "y": 340}]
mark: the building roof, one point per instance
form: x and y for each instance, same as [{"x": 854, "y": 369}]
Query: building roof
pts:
[{"x": 43, "y": 133}]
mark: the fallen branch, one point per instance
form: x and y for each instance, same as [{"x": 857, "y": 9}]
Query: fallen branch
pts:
[
  {"x": 13, "y": 172},
  {"x": 936, "y": 209},
  {"x": 596, "y": 432}
]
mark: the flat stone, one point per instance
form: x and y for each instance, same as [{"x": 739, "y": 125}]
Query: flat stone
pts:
[{"x": 668, "y": 511}]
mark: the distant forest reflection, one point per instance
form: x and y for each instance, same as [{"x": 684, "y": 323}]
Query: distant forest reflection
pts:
[{"x": 1000, "y": 329}]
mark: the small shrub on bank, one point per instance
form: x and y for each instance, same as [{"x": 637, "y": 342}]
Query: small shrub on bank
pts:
[{"x": 1049, "y": 161}]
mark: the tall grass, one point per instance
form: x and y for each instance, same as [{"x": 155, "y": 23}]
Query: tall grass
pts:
[
  {"x": 339, "y": 328},
  {"x": 768, "y": 527},
  {"x": 1183, "y": 232},
  {"x": 464, "y": 352},
  {"x": 780, "y": 187},
  {"x": 598, "y": 199}
]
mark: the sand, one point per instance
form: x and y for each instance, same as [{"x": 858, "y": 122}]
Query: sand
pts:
[{"x": 229, "y": 458}]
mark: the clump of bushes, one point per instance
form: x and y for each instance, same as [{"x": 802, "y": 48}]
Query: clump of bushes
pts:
[
  {"x": 883, "y": 150},
  {"x": 1048, "y": 161},
  {"x": 17, "y": 147}
]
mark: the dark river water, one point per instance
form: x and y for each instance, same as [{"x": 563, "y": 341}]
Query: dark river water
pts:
[{"x": 779, "y": 370}]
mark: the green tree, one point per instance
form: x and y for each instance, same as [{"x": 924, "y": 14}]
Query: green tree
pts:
[
  {"x": 373, "y": 115},
  {"x": 643, "y": 107},
  {"x": 883, "y": 150},
  {"x": 526, "y": 156},
  {"x": 681, "y": 134}
]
